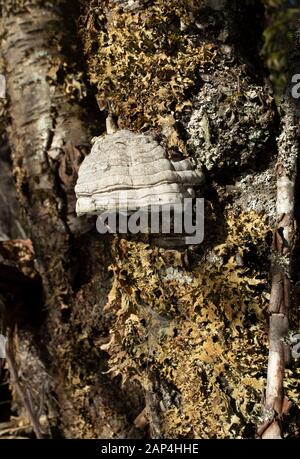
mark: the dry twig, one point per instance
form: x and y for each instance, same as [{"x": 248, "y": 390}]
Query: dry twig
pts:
[
  {"x": 276, "y": 404},
  {"x": 23, "y": 394}
]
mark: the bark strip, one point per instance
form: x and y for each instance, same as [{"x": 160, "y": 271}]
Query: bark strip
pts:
[{"x": 276, "y": 404}]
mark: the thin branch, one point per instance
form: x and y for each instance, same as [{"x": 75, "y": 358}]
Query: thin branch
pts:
[
  {"x": 22, "y": 393},
  {"x": 11, "y": 430},
  {"x": 276, "y": 404}
]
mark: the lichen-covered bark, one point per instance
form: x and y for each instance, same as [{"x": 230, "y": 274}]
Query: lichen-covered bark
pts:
[
  {"x": 182, "y": 336},
  {"x": 194, "y": 326},
  {"x": 49, "y": 136}
]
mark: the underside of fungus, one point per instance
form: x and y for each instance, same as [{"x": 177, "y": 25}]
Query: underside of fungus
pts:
[{"x": 132, "y": 171}]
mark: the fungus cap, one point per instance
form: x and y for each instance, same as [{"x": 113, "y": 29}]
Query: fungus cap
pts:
[{"x": 131, "y": 170}]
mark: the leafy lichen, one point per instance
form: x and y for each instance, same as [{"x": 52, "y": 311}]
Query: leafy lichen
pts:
[
  {"x": 149, "y": 59},
  {"x": 205, "y": 337}
]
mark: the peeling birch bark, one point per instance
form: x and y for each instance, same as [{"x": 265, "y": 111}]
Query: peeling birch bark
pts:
[
  {"x": 43, "y": 121},
  {"x": 49, "y": 135}
]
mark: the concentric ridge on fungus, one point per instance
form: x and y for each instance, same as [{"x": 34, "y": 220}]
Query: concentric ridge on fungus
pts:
[{"x": 131, "y": 169}]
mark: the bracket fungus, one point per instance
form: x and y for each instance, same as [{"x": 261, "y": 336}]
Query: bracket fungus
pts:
[{"x": 131, "y": 171}]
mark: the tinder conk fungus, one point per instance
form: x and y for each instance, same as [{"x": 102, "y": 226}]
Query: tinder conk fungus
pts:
[
  {"x": 134, "y": 163},
  {"x": 131, "y": 171}
]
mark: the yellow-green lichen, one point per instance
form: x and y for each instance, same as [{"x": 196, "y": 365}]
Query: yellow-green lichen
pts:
[
  {"x": 205, "y": 336},
  {"x": 146, "y": 62}
]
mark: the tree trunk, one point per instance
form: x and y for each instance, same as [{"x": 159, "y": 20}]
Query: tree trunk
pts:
[{"x": 118, "y": 336}]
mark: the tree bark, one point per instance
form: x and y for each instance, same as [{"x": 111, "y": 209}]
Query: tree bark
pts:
[
  {"x": 133, "y": 339},
  {"x": 49, "y": 136}
]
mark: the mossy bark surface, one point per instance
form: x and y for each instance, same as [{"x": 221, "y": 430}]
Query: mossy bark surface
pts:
[{"x": 133, "y": 339}]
